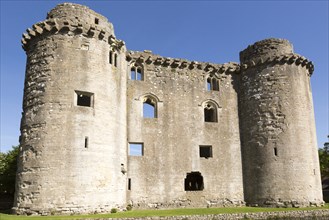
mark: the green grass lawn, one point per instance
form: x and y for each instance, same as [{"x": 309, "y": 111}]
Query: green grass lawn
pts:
[{"x": 167, "y": 212}]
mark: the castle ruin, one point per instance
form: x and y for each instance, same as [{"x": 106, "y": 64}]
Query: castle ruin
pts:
[{"x": 104, "y": 127}]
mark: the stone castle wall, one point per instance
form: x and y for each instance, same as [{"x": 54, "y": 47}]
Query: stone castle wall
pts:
[
  {"x": 82, "y": 110},
  {"x": 172, "y": 139}
]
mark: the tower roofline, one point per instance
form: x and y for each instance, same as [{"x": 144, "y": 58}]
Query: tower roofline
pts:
[
  {"x": 273, "y": 51},
  {"x": 73, "y": 19}
]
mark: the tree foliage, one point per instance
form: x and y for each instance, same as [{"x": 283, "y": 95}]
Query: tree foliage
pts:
[
  {"x": 8, "y": 167},
  {"x": 324, "y": 161}
]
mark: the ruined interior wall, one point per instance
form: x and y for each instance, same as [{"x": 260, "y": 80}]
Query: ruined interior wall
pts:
[
  {"x": 279, "y": 148},
  {"x": 171, "y": 141},
  {"x": 57, "y": 173}
]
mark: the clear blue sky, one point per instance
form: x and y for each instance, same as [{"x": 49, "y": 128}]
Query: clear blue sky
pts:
[{"x": 213, "y": 31}]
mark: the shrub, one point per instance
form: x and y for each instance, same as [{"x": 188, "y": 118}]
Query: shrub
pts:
[{"x": 129, "y": 207}]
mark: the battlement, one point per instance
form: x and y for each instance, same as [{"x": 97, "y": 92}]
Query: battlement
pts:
[
  {"x": 277, "y": 57},
  {"x": 73, "y": 19},
  {"x": 296, "y": 59},
  {"x": 149, "y": 58}
]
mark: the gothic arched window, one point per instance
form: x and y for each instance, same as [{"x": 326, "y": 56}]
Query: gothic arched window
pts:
[
  {"x": 210, "y": 112},
  {"x": 212, "y": 84},
  {"x": 136, "y": 73},
  {"x": 149, "y": 107}
]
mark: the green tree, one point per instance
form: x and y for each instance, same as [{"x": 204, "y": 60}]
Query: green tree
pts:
[
  {"x": 324, "y": 160},
  {"x": 8, "y": 167}
]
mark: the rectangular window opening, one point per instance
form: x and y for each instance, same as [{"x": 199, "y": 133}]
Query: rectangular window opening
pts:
[
  {"x": 86, "y": 142},
  {"x": 129, "y": 184},
  {"x": 205, "y": 151},
  {"x": 96, "y": 21},
  {"x": 136, "y": 149},
  {"x": 84, "y": 99},
  {"x": 275, "y": 152}
]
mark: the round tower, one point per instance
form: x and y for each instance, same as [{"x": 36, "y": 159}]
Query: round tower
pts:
[
  {"x": 279, "y": 148},
  {"x": 73, "y": 129}
]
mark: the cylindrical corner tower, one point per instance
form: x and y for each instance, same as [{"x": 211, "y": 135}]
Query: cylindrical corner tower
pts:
[
  {"x": 279, "y": 148},
  {"x": 73, "y": 130}
]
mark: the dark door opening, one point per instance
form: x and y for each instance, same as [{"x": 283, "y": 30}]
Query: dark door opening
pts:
[{"x": 194, "y": 181}]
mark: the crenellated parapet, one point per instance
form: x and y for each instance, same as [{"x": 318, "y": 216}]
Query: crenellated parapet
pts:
[
  {"x": 59, "y": 22},
  {"x": 291, "y": 59},
  {"x": 214, "y": 69},
  {"x": 271, "y": 52}
]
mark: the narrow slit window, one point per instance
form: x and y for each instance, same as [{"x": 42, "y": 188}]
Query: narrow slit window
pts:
[
  {"x": 115, "y": 60},
  {"x": 96, "y": 21},
  {"x": 149, "y": 108},
  {"x": 208, "y": 84},
  {"x": 86, "y": 142},
  {"x": 205, "y": 151},
  {"x": 110, "y": 57},
  {"x": 84, "y": 99},
  {"x": 210, "y": 113},
  {"x": 215, "y": 84},
  {"x": 275, "y": 151},
  {"x": 129, "y": 184},
  {"x": 136, "y": 149}
]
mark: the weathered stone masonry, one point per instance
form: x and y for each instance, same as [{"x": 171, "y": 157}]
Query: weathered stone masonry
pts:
[{"x": 220, "y": 134}]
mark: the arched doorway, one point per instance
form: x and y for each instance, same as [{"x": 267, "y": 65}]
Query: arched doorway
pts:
[{"x": 194, "y": 182}]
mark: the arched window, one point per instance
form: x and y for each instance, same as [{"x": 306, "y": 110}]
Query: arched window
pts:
[
  {"x": 136, "y": 73},
  {"x": 212, "y": 84},
  {"x": 193, "y": 182},
  {"x": 149, "y": 107},
  {"x": 210, "y": 112}
]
